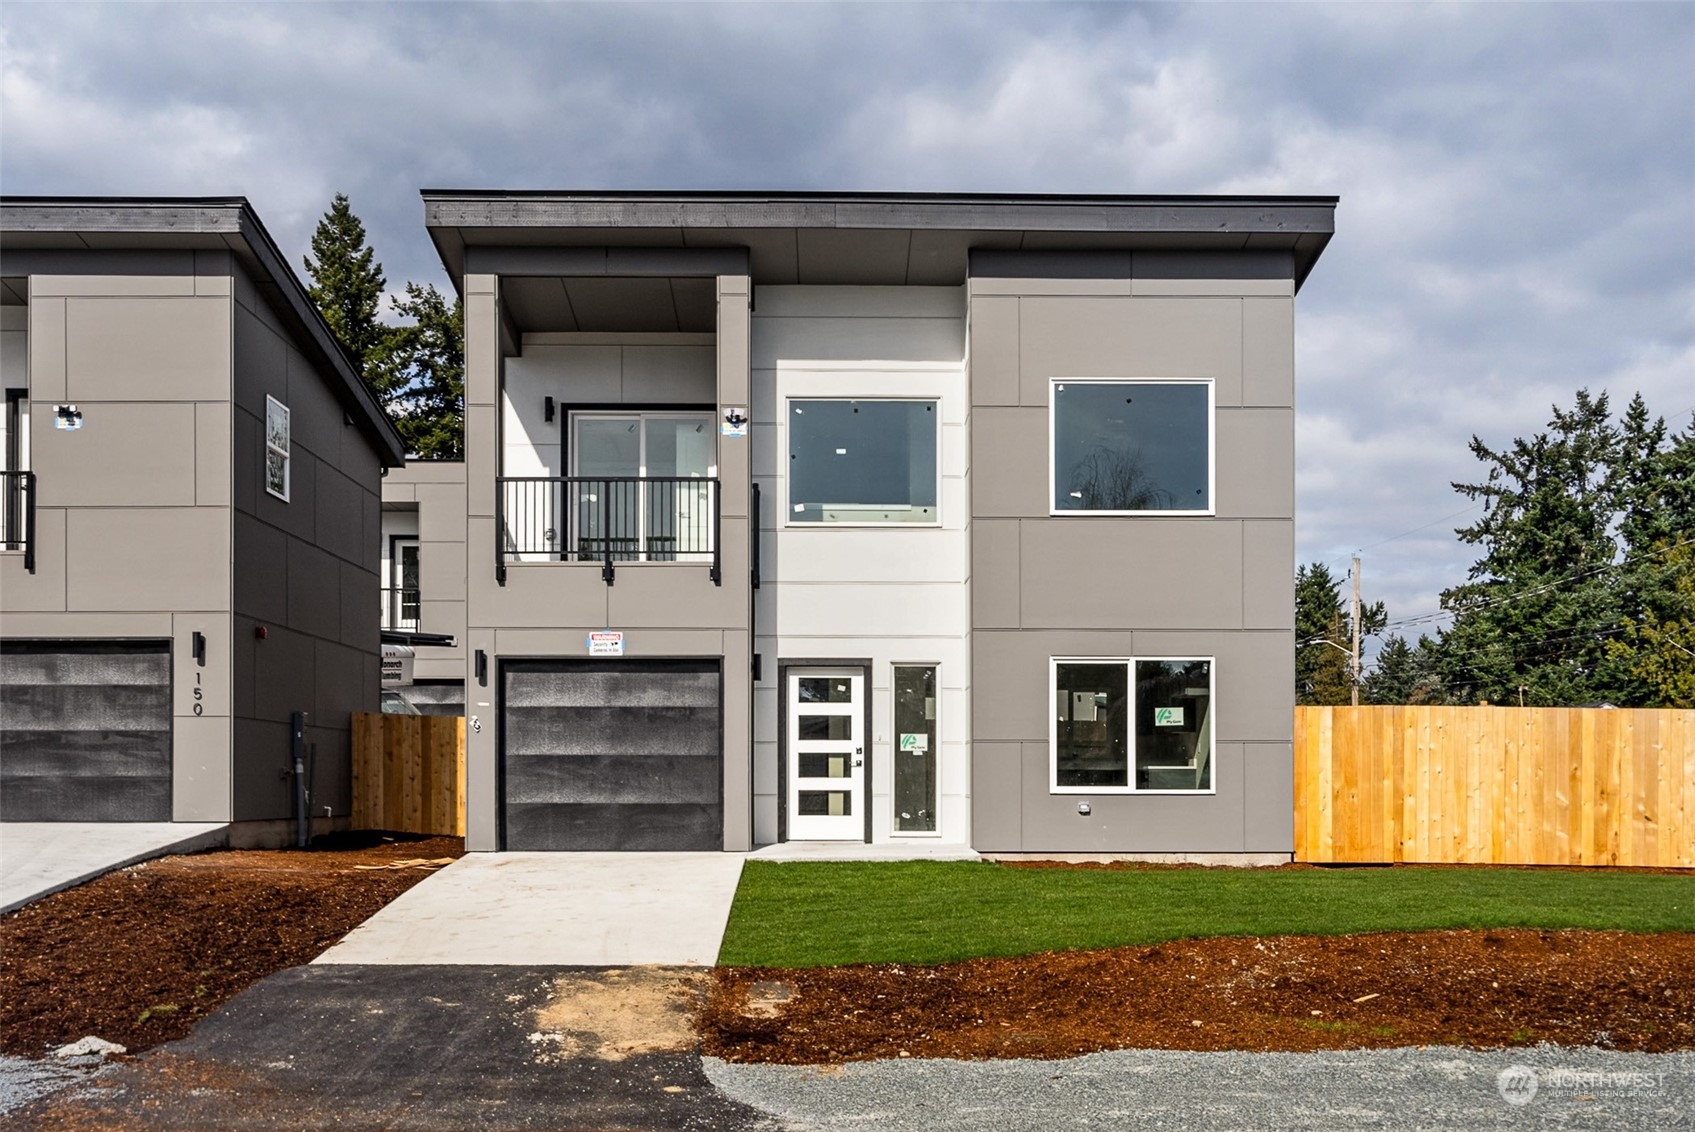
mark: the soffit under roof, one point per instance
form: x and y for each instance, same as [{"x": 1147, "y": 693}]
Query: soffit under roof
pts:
[{"x": 911, "y": 239}]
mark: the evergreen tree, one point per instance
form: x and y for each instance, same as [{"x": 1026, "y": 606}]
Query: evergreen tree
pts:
[
  {"x": 347, "y": 282},
  {"x": 422, "y": 365},
  {"x": 1576, "y": 536},
  {"x": 1660, "y": 651},
  {"x": 1404, "y": 674},
  {"x": 1323, "y": 636},
  {"x": 415, "y": 369}
]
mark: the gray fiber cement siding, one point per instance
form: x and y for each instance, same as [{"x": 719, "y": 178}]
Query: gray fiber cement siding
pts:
[
  {"x": 306, "y": 573},
  {"x": 1071, "y": 585},
  {"x": 544, "y": 611},
  {"x": 133, "y": 527}
]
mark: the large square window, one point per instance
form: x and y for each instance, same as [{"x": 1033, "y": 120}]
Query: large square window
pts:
[
  {"x": 1127, "y": 447},
  {"x": 864, "y": 462},
  {"x": 1132, "y": 724}
]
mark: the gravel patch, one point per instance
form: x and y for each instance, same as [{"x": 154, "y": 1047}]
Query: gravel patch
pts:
[
  {"x": 1429, "y": 1088},
  {"x": 23, "y": 1080}
]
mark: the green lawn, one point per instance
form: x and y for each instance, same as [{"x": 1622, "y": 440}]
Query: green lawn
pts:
[{"x": 811, "y": 914}]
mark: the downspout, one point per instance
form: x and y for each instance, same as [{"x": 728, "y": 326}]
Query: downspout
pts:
[{"x": 297, "y": 745}]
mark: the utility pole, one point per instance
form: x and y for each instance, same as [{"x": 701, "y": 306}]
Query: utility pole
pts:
[{"x": 1356, "y": 620}]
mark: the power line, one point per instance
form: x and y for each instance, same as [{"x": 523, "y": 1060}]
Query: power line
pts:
[
  {"x": 1421, "y": 527},
  {"x": 1504, "y": 599}
]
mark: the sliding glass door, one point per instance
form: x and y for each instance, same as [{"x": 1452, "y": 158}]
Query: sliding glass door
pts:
[{"x": 637, "y": 488}]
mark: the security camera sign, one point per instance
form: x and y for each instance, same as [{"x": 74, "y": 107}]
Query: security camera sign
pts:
[
  {"x": 605, "y": 643},
  {"x": 1168, "y": 717},
  {"x": 735, "y": 421}
]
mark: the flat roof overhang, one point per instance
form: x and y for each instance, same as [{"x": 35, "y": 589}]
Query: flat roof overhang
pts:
[
  {"x": 34, "y": 231},
  {"x": 868, "y": 238}
]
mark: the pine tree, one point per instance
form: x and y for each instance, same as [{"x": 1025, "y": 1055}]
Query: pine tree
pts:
[
  {"x": 1323, "y": 636},
  {"x": 422, "y": 365},
  {"x": 347, "y": 283},
  {"x": 1404, "y": 674},
  {"x": 415, "y": 369},
  {"x": 1578, "y": 524}
]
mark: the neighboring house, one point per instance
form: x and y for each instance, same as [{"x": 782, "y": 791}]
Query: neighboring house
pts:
[
  {"x": 870, "y": 517},
  {"x": 192, "y": 520},
  {"x": 423, "y": 577}
]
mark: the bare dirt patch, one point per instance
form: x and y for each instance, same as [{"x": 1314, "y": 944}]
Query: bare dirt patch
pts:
[
  {"x": 139, "y": 955},
  {"x": 612, "y": 1015},
  {"x": 1476, "y": 988}
]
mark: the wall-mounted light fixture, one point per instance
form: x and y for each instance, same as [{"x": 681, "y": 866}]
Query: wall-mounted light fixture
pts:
[
  {"x": 547, "y": 409},
  {"x": 1083, "y": 808},
  {"x": 482, "y": 668},
  {"x": 199, "y": 646}
]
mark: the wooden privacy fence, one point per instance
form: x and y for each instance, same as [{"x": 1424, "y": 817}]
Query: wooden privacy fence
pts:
[
  {"x": 409, "y": 773},
  {"x": 1497, "y": 785}
]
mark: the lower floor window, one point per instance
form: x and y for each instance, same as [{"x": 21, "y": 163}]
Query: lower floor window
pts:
[{"x": 1126, "y": 724}]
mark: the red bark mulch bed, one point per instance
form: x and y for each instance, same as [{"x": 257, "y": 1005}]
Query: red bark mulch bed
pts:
[
  {"x": 1476, "y": 988},
  {"x": 139, "y": 955}
]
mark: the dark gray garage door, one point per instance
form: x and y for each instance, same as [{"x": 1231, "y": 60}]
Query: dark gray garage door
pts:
[
  {"x": 613, "y": 755},
  {"x": 85, "y": 731}
]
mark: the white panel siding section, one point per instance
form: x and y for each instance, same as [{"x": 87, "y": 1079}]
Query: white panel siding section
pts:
[
  {"x": 598, "y": 369},
  {"x": 898, "y": 595}
]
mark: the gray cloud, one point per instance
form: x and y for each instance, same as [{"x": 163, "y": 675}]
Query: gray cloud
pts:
[{"x": 1518, "y": 181}]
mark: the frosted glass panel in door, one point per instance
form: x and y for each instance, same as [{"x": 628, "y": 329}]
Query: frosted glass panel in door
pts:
[{"x": 609, "y": 447}]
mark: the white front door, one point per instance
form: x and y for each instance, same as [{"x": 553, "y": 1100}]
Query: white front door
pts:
[{"x": 826, "y": 753}]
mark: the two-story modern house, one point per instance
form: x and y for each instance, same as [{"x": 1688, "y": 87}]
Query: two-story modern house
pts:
[
  {"x": 191, "y": 517},
  {"x": 871, "y": 516}
]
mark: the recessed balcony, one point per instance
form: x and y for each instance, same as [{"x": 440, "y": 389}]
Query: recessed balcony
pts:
[{"x": 607, "y": 521}]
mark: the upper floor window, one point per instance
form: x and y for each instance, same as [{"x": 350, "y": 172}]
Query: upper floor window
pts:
[
  {"x": 1131, "y": 447},
  {"x": 276, "y": 448},
  {"x": 865, "y": 462}
]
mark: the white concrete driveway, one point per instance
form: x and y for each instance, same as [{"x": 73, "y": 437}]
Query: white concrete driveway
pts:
[
  {"x": 564, "y": 909},
  {"x": 38, "y": 858}
]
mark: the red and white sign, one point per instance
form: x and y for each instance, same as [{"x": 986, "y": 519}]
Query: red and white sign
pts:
[{"x": 606, "y": 643}]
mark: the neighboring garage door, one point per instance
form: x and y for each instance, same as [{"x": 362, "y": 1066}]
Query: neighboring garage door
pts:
[
  {"x": 613, "y": 755},
  {"x": 85, "y": 731}
]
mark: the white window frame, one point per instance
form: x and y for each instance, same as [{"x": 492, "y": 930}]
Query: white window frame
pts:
[
  {"x": 1130, "y": 787},
  {"x": 788, "y": 480},
  {"x": 1211, "y": 509},
  {"x": 274, "y": 405}
]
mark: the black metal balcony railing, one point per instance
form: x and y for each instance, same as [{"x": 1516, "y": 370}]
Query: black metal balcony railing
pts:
[
  {"x": 401, "y": 608},
  {"x": 17, "y": 514},
  {"x": 606, "y": 520}
]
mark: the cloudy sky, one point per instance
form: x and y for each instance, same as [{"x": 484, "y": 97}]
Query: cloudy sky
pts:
[{"x": 1517, "y": 180}]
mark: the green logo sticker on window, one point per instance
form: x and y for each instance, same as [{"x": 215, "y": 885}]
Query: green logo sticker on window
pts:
[
  {"x": 1168, "y": 717},
  {"x": 914, "y": 741}
]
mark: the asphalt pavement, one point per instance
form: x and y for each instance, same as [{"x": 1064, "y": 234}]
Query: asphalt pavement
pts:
[
  {"x": 1159, "y": 1090},
  {"x": 441, "y": 1047}
]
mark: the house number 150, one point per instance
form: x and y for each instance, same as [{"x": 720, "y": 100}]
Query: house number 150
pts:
[{"x": 199, "y": 708}]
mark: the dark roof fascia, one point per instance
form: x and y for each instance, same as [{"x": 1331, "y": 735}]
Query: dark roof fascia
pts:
[
  {"x": 232, "y": 218},
  {"x": 450, "y": 213}
]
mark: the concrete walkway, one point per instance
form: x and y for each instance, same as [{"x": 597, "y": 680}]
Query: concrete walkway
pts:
[
  {"x": 917, "y": 849},
  {"x": 556, "y": 909},
  {"x": 39, "y": 858}
]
